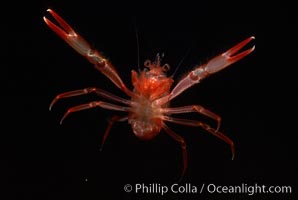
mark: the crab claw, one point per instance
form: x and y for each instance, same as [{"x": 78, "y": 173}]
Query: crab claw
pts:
[
  {"x": 66, "y": 32},
  {"x": 227, "y": 58}
]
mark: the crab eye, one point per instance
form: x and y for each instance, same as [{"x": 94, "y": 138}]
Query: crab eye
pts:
[
  {"x": 148, "y": 64},
  {"x": 166, "y": 67}
]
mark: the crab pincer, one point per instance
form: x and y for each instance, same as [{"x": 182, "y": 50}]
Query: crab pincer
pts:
[
  {"x": 229, "y": 57},
  {"x": 66, "y": 32},
  {"x": 78, "y": 43}
]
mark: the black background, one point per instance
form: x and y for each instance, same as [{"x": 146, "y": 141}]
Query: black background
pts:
[{"x": 255, "y": 98}]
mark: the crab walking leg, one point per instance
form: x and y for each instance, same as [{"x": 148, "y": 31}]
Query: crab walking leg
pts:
[
  {"x": 204, "y": 126},
  {"x": 183, "y": 147},
  {"x": 111, "y": 123},
  {"x": 194, "y": 108},
  {"x": 214, "y": 65},
  {"x": 92, "y": 105},
  {"x": 82, "y": 47},
  {"x": 97, "y": 91}
]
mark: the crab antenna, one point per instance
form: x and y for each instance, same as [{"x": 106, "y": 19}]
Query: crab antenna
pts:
[
  {"x": 138, "y": 47},
  {"x": 181, "y": 61}
]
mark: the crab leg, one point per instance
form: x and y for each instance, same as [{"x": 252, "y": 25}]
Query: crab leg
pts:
[
  {"x": 97, "y": 91},
  {"x": 183, "y": 147},
  {"x": 217, "y": 134},
  {"x": 111, "y": 123},
  {"x": 214, "y": 65},
  {"x": 82, "y": 47},
  {"x": 194, "y": 108},
  {"x": 92, "y": 105}
]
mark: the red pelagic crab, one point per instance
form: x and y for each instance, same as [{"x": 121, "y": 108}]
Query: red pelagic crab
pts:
[{"x": 147, "y": 107}]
